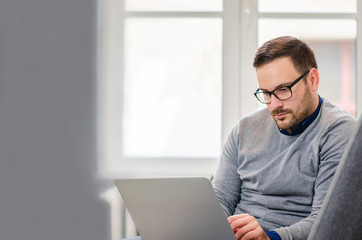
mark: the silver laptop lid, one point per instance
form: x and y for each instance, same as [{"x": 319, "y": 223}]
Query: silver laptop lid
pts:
[{"x": 175, "y": 209}]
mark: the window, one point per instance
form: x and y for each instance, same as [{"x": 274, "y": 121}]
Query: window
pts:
[
  {"x": 176, "y": 75},
  {"x": 169, "y": 85}
]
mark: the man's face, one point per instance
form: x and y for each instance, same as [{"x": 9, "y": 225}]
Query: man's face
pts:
[{"x": 288, "y": 113}]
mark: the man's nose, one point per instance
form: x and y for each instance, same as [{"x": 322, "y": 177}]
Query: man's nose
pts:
[{"x": 275, "y": 103}]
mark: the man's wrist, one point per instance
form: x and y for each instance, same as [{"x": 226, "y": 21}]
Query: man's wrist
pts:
[{"x": 273, "y": 235}]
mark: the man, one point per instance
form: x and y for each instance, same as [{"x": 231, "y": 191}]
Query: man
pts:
[{"x": 278, "y": 162}]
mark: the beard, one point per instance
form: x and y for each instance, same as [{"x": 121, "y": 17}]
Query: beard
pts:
[{"x": 294, "y": 117}]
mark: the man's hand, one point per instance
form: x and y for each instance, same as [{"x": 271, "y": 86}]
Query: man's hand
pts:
[{"x": 246, "y": 227}]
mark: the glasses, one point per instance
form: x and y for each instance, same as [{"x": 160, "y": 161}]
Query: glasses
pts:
[{"x": 282, "y": 93}]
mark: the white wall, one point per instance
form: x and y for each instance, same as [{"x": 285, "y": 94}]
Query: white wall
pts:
[{"x": 48, "y": 168}]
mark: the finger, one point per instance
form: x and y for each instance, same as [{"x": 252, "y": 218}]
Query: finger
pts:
[
  {"x": 249, "y": 227},
  {"x": 257, "y": 233},
  {"x": 235, "y": 217},
  {"x": 241, "y": 222}
]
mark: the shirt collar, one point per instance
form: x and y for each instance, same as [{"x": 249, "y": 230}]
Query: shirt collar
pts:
[{"x": 304, "y": 124}]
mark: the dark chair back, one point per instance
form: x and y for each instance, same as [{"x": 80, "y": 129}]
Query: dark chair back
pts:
[{"x": 341, "y": 214}]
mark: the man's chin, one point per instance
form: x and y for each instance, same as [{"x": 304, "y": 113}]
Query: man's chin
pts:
[{"x": 282, "y": 124}]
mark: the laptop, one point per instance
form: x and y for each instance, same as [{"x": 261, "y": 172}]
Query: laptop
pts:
[{"x": 175, "y": 209}]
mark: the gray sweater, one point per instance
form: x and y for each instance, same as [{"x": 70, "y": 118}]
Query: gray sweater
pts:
[{"x": 281, "y": 180}]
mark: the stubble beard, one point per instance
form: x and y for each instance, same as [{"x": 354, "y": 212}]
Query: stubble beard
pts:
[{"x": 295, "y": 117}]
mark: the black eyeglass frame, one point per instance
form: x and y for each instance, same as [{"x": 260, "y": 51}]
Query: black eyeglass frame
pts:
[{"x": 272, "y": 92}]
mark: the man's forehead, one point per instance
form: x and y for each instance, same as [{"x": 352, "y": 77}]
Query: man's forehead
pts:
[
  {"x": 270, "y": 83},
  {"x": 278, "y": 73}
]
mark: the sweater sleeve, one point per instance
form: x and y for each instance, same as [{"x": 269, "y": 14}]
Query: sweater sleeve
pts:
[
  {"x": 226, "y": 181},
  {"x": 331, "y": 147}
]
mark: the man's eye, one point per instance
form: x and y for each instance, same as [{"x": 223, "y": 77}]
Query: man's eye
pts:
[{"x": 282, "y": 90}]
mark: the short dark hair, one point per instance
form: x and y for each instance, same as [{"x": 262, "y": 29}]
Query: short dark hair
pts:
[{"x": 299, "y": 52}]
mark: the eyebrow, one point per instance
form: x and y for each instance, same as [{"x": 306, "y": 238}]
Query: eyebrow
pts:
[{"x": 279, "y": 86}]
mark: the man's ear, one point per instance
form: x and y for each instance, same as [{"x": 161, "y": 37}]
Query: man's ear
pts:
[{"x": 313, "y": 79}]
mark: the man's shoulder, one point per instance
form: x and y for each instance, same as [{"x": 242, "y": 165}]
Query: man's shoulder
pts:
[
  {"x": 335, "y": 121},
  {"x": 333, "y": 115},
  {"x": 259, "y": 120},
  {"x": 259, "y": 117},
  {"x": 260, "y": 114}
]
